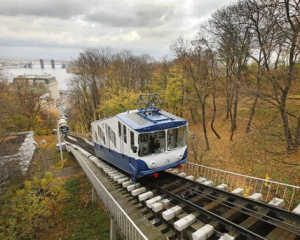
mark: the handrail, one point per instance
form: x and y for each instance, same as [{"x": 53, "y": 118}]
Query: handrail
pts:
[
  {"x": 124, "y": 222},
  {"x": 248, "y": 176},
  {"x": 268, "y": 188}
]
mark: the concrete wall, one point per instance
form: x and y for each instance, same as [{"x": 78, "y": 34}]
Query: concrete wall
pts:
[
  {"x": 53, "y": 89},
  {"x": 18, "y": 163}
]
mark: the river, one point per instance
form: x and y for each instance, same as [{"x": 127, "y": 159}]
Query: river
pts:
[{"x": 59, "y": 73}]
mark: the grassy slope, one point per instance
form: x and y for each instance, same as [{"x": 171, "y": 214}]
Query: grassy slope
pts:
[{"x": 77, "y": 218}]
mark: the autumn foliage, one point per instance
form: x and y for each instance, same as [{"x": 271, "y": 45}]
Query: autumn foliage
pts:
[
  {"x": 21, "y": 108},
  {"x": 25, "y": 211}
]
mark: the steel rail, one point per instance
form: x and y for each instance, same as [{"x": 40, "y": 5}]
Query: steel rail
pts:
[
  {"x": 242, "y": 230},
  {"x": 260, "y": 204},
  {"x": 237, "y": 206}
]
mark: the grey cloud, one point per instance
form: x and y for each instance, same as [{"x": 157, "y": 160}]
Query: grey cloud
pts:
[
  {"x": 66, "y": 25},
  {"x": 205, "y": 7},
  {"x": 5, "y": 42},
  {"x": 139, "y": 15},
  {"x": 110, "y": 20},
  {"x": 43, "y": 8}
]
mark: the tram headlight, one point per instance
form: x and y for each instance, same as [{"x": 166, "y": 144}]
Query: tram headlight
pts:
[
  {"x": 152, "y": 164},
  {"x": 180, "y": 156}
]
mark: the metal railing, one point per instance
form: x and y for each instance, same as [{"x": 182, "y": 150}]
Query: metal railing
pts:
[
  {"x": 122, "y": 220},
  {"x": 268, "y": 188}
]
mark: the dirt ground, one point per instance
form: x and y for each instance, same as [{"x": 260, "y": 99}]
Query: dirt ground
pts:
[
  {"x": 10, "y": 145},
  {"x": 259, "y": 153}
]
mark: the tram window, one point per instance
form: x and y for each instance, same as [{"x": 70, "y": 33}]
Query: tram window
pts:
[
  {"x": 162, "y": 134},
  {"x": 115, "y": 140},
  {"x": 103, "y": 136},
  {"x": 120, "y": 129},
  {"x": 144, "y": 137},
  {"x": 152, "y": 143},
  {"x": 176, "y": 137},
  {"x": 99, "y": 134},
  {"x": 111, "y": 136},
  {"x": 96, "y": 139},
  {"x": 109, "y": 133},
  {"x": 132, "y": 140},
  {"x": 125, "y": 133}
]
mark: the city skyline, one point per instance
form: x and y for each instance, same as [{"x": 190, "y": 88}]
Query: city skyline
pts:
[{"x": 60, "y": 29}]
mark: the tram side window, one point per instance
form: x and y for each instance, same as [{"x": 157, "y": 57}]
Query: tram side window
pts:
[
  {"x": 132, "y": 140},
  {"x": 96, "y": 139},
  {"x": 103, "y": 136},
  {"x": 176, "y": 137},
  {"x": 106, "y": 132},
  {"x": 120, "y": 129},
  {"x": 125, "y": 133},
  {"x": 113, "y": 137},
  {"x": 110, "y": 133},
  {"x": 99, "y": 133}
]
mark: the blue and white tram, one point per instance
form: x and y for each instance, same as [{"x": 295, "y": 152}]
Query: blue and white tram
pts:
[{"x": 141, "y": 143}]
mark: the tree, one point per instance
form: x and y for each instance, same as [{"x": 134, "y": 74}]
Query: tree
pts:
[
  {"x": 195, "y": 59},
  {"x": 276, "y": 28},
  {"x": 264, "y": 45},
  {"x": 287, "y": 20},
  {"x": 92, "y": 69},
  {"x": 232, "y": 36},
  {"x": 28, "y": 101}
]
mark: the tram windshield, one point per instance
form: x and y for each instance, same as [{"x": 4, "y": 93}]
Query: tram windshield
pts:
[
  {"x": 152, "y": 143},
  {"x": 159, "y": 142},
  {"x": 176, "y": 138}
]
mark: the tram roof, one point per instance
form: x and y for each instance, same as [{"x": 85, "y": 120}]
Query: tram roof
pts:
[{"x": 150, "y": 122}]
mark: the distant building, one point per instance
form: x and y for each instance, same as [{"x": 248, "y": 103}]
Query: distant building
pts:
[{"x": 49, "y": 81}]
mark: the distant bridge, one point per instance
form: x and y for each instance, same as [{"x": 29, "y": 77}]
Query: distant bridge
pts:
[{"x": 42, "y": 64}]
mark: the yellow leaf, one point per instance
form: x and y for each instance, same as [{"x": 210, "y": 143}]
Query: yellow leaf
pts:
[{"x": 267, "y": 178}]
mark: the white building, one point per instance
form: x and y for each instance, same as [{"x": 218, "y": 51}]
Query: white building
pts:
[{"x": 49, "y": 81}]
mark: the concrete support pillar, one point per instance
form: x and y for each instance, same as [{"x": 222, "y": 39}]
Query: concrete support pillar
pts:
[
  {"x": 52, "y": 63},
  {"x": 94, "y": 194},
  {"x": 112, "y": 229},
  {"x": 42, "y": 63}
]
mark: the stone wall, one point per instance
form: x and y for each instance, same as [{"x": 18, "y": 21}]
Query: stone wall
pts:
[{"x": 18, "y": 163}]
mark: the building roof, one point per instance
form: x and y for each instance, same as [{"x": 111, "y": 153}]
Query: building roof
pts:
[
  {"x": 150, "y": 122},
  {"x": 46, "y": 78}
]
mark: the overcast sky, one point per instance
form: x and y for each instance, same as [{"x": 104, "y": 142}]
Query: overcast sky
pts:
[{"x": 59, "y": 29}]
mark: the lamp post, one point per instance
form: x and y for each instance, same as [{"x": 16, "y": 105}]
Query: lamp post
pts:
[{"x": 42, "y": 153}]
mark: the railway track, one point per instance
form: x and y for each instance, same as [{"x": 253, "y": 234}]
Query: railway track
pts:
[
  {"x": 80, "y": 142},
  {"x": 183, "y": 208},
  {"x": 227, "y": 213}
]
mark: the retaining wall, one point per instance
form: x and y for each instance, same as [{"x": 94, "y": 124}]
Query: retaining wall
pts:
[{"x": 18, "y": 163}]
